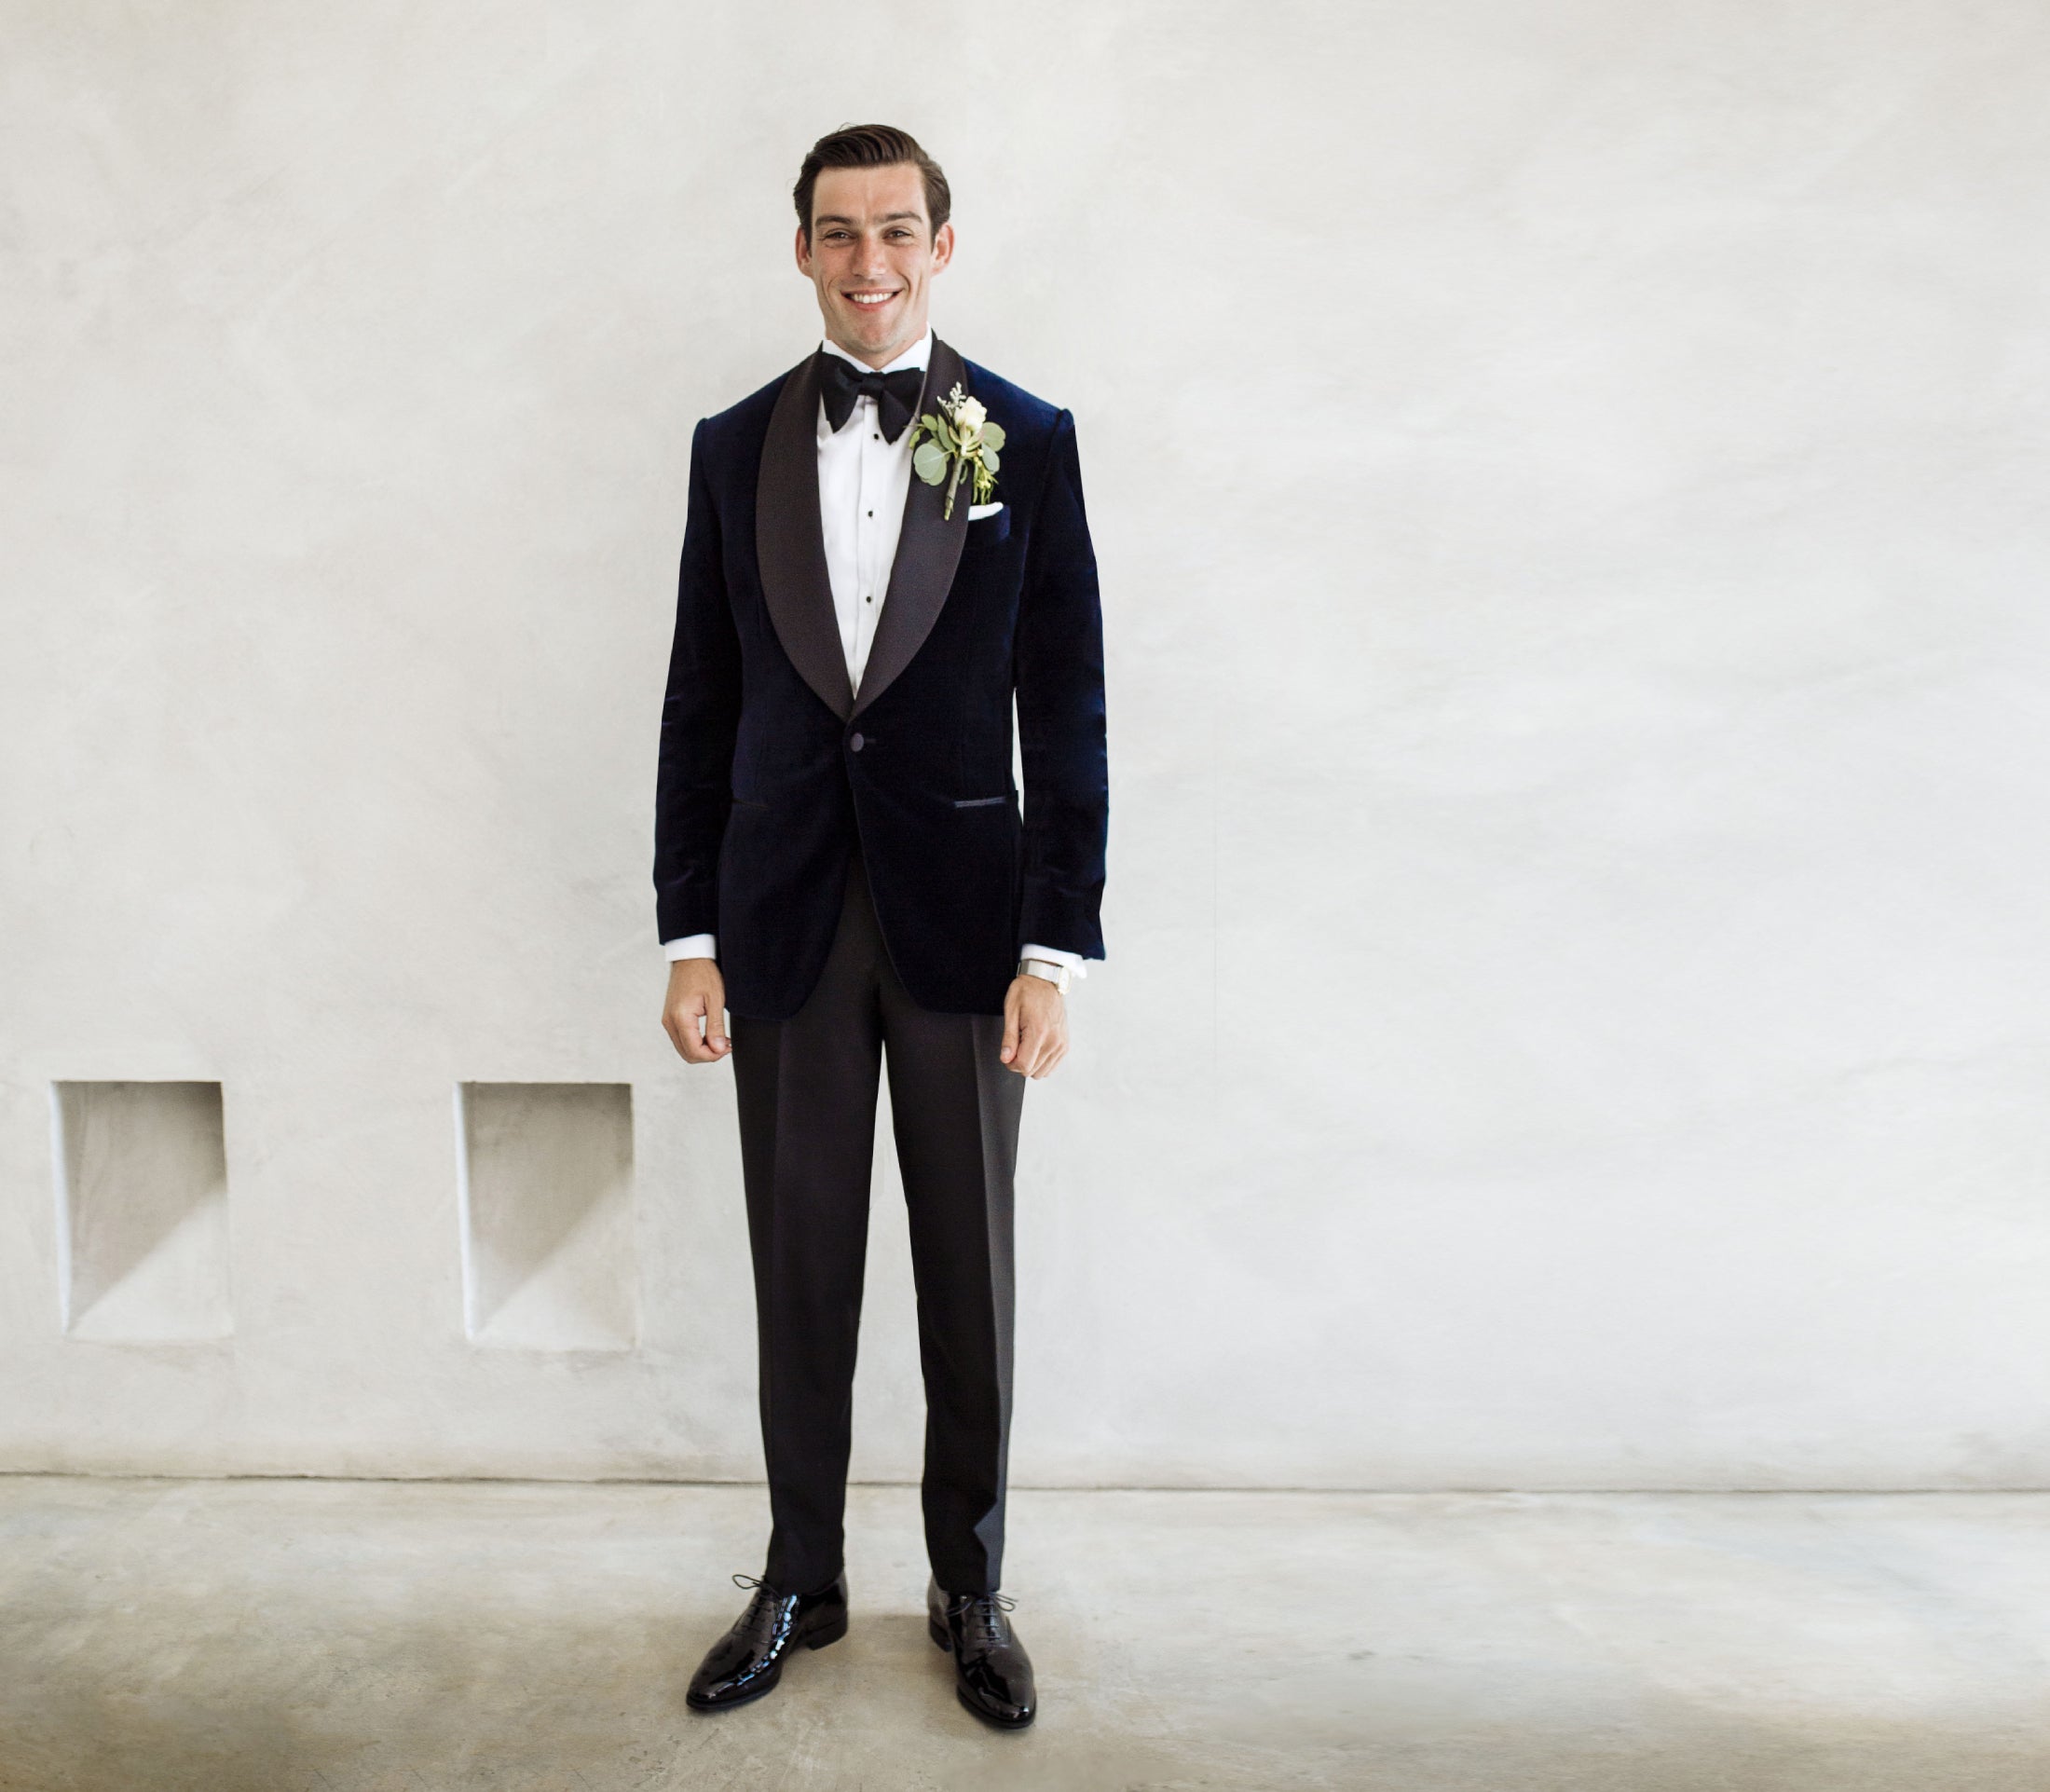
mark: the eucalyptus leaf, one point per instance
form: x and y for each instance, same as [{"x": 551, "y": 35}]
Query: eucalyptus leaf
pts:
[
  {"x": 993, "y": 434},
  {"x": 930, "y": 461},
  {"x": 989, "y": 459}
]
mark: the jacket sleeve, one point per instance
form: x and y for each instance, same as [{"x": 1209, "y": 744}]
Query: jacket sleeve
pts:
[
  {"x": 699, "y": 716},
  {"x": 1058, "y": 672}
]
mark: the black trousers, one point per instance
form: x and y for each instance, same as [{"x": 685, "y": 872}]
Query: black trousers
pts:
[{"x": 807, "y": 1091}]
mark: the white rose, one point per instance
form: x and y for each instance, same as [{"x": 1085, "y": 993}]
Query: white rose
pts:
[{"x": 968, "y": 418}]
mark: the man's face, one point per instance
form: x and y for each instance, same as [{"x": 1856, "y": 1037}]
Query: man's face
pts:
[{"x": 871, "y": 256}]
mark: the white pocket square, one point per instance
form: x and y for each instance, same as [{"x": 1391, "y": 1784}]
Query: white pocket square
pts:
[{"x": 977, "y": 512}]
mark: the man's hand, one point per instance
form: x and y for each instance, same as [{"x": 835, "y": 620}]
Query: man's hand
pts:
[
  {"x": 694, "y": 1012},
  {"x": 1035, "y": 1026}
]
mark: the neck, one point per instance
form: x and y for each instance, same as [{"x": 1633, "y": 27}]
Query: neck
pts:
[{"x": 877, "y": 359}]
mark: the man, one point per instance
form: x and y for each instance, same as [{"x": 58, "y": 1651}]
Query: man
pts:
[{"x": 842, "y": 867}]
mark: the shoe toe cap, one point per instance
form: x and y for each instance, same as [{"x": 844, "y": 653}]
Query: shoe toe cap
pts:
[
  {"x": 722, "y": 1679},
  {"x": 1004, "y": 1699},
  {"x": 1010, "y": 1712}
]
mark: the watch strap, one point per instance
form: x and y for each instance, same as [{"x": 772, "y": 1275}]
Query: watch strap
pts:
[{"x": 1057, "y": 975}]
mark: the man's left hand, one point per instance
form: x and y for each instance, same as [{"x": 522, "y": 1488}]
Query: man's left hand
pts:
[{"x": 1035, "y": 1026}]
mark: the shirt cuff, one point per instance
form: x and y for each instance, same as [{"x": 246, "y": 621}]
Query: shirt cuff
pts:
[
  {"x": 692, "y": 946},
  {"x": 1055, "y": 955}
]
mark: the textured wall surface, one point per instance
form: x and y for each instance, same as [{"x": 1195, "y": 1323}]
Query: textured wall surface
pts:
[{"x": 1568, "y": 484}]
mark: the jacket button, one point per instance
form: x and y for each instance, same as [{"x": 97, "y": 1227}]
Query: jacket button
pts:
[{"x": 856, "y": 743}]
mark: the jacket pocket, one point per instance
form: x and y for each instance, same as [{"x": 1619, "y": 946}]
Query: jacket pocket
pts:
[{"x": 987, "y": 531}]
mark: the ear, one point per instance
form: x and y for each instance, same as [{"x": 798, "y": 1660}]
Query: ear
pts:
[
  {"x": 943, "y": 246},
  {"x": 804, "y": 252}
]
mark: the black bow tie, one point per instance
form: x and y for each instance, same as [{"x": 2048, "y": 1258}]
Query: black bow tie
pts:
[{"x": 841, "y": 382}]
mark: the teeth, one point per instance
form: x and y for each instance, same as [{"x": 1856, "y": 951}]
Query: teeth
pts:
[{"x": 871, "y": 298}]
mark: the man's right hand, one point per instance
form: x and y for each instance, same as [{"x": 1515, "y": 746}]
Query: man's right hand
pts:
[{"x": 694, "y": 1012}]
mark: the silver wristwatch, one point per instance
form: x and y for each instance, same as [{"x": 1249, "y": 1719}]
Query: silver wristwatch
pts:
[{"x": 1055, "y": 974}]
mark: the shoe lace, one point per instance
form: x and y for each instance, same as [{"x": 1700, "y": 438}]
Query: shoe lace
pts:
[
  {"x": 766, "y": 1600},
  {"x": 765, "y": 1614},
  {"x": 987, "y": 1607}
]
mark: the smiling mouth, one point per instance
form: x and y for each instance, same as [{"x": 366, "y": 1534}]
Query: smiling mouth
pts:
[{"x": 868, "y": 301}]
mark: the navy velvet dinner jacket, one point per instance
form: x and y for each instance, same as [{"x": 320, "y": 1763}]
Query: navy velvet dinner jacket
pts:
[{"x": 772, "y": 768}]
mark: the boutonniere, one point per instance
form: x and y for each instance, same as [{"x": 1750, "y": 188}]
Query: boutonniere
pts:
[{"x": 962, "y": 438}]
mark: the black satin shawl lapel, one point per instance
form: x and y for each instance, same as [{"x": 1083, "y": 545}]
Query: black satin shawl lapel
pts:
[
  {"x": 790, "y": 548},
  {"x": 928, "y": 550}
]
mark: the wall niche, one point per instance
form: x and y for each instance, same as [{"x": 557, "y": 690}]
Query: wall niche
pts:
[
  {"x": 545, "y": 1197},
  {"x": 141, "y": 1211}
]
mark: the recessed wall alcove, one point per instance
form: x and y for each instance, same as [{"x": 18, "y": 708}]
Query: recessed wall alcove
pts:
[
  {"x": 141, "y": 1211},
  {"x": 545, "y": 1197}
]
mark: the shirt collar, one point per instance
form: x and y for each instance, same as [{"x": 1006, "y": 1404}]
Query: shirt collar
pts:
[{"x": 917, "y": 355}]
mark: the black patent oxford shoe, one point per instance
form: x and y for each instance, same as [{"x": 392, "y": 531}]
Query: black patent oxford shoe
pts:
[
  {"x": 993, "y": 1674},
  {"x": 747, "y": 1661}
]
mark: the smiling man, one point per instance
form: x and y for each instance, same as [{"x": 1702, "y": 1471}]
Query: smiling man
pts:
[{"x": 844, "y": 877}]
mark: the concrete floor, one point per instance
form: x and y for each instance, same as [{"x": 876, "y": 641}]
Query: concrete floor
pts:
[{"x": 427, "y": 1636}]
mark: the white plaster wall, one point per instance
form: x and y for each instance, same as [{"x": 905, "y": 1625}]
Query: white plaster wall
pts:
[{"x": 1568, "y": 484}]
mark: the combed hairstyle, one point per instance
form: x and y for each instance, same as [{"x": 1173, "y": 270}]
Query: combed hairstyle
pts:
[{"x": 870, "y": 146}]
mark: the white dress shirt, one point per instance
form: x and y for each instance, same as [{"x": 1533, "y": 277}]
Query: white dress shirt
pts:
[{"x": 863, "y": 482}]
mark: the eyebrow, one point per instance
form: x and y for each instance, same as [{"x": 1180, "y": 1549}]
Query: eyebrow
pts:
[{"x": 888, "y": 217}]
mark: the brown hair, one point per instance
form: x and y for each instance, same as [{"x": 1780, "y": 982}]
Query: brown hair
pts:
[{"x": 870, "y": 146}]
